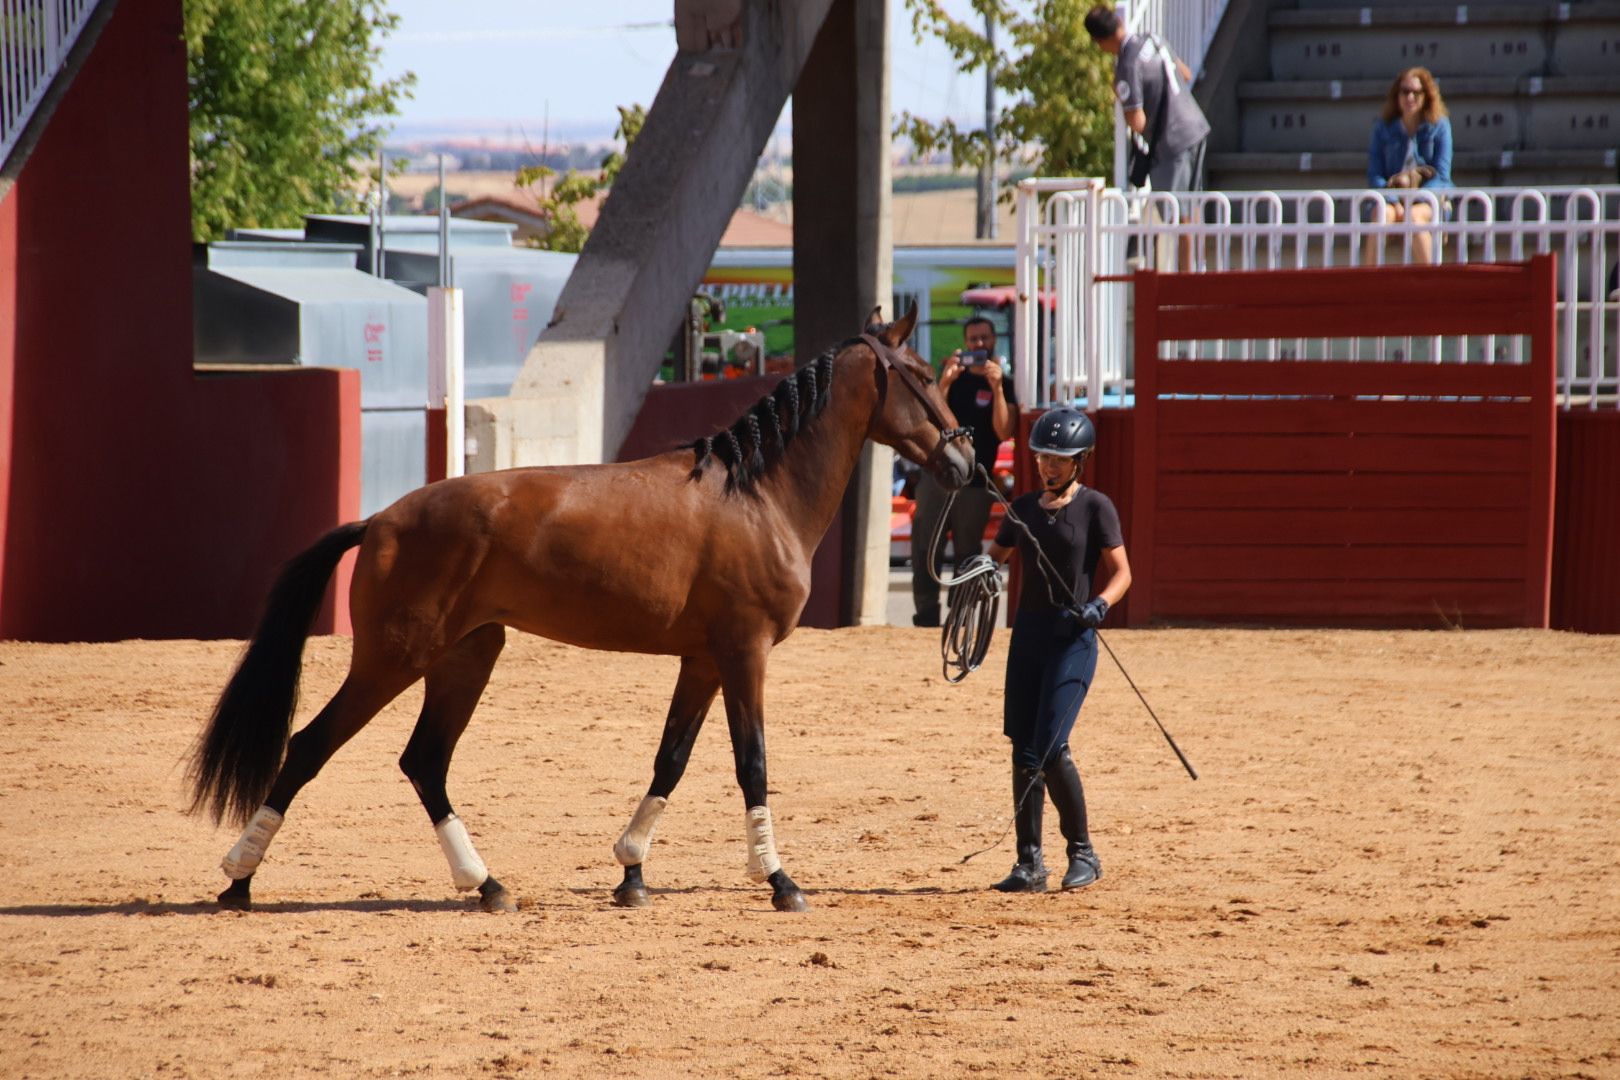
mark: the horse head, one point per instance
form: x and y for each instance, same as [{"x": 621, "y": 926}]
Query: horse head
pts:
[{"x": 912, "y": 416}]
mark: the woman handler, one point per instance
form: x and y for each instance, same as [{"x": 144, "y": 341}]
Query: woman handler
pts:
[{"x": 1053, "y": 654}]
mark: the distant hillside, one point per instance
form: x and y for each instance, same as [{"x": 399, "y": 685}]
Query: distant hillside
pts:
[{"x": 941, "y": 214}]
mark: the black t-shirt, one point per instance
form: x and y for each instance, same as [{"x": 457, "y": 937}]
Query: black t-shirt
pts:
[
  {"x": 971, "y": 404},
  {"x": 1073, "y": 539}
]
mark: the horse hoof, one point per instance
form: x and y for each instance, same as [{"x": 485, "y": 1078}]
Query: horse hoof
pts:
[
  {"x": 498, "y": 901},
  {"x": 792, "y": 900},
  {"x": 235, "y": 898},
  {"x": 632, "y": 891},
  {"x": 632, "y": 897},
  {"x": 493, "y": 897}
]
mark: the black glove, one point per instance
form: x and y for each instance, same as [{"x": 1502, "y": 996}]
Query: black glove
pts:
[{"x": 1094, "y": 612}]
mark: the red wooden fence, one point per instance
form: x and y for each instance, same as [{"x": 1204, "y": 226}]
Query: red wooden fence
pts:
[
  {"x": 1586, "y": 541},
  {"x": 1343, "y": 492}
]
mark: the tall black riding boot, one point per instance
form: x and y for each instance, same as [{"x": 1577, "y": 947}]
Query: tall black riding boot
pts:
[
  {"x": 1029, "y": 875},
  {"x": 1063, "y": 781}
]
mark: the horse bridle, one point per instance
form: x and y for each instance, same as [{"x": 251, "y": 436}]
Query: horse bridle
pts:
[{"x": 889, "y": 360}]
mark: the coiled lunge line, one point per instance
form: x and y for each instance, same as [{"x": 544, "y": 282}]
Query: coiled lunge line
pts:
[{"x": 972, "y": 605}]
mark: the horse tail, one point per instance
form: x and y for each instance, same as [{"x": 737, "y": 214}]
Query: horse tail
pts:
[{"x": 240, "y": 752}]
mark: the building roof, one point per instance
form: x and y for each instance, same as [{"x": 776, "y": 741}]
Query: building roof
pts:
[
  {"x": 518, "y": 210},
  {"x": 923, "y": 217}
]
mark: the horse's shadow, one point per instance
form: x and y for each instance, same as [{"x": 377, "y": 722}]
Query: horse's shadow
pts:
[
  {"x": 385, "y": 906},
  {"x": 377, "y": 906}
]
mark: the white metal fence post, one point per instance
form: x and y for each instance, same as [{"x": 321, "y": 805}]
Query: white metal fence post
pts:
[
  {"x": 447, "y": 372},
  {"x": 1026, "y": 292}
]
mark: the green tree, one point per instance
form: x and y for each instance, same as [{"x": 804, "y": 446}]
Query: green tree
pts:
[
  {"x": 565, "y": 231},
  {"x": 285, "y": 104},
  {"x": 1059, "y": 116}
]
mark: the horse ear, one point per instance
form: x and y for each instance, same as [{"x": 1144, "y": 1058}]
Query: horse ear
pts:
[
  {"x": 875, "y": 319},
  {"x": 900, "y": 329}
]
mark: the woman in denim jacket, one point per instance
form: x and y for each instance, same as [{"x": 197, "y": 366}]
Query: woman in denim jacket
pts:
[{"x": 1411, "y": 148}]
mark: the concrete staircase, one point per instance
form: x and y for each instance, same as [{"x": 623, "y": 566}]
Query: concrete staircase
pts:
[{"x": 1293, "y": 88}]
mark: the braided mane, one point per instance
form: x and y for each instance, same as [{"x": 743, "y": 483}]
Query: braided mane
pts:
[{"x": 748, "y": 448}]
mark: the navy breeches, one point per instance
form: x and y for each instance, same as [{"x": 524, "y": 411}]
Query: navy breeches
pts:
[{"x": 1048, "y": 674}]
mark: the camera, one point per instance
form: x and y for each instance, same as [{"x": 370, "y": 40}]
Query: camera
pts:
[{"x": 974, "y": 357}]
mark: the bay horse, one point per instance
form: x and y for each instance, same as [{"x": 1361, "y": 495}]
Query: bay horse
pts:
[{"x": 702, "y": 553}]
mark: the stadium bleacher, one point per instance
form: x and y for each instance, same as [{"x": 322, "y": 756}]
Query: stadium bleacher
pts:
[{"x": 1533, "y": 90}]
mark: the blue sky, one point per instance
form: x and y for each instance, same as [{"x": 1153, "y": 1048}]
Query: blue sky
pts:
[{"x": 503, "y": 65}]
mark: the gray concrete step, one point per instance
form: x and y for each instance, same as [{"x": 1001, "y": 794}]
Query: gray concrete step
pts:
[
  {"x": 1487, "y": 114},
  {"x": 1496, "y": 40}
]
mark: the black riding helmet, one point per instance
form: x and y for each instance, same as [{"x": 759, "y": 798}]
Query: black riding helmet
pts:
[{"x": 1064, "y": 431}]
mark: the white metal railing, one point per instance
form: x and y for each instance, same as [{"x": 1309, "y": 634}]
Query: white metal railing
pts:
[
  {"x": 1188, "y": 26},
  {"x": 35, "y": 39},
  {"x": 1078, "y": 239}
]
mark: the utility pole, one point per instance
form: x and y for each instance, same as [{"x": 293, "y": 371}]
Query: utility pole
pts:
[{"x": 984, "y": 225}]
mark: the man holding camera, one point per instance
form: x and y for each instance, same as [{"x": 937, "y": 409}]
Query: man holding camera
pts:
[{"x": 976, "y": 387}]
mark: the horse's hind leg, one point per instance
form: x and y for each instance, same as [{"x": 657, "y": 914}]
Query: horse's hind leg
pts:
[
  {"x": 694, "y": 693},
  {"x": 454, "y": 684},
  {"x": 742, "y": 674},
  {"x": 363, "y": 694}
]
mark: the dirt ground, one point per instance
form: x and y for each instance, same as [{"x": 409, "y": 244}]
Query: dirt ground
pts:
[{"x": 1400, "y": 860}]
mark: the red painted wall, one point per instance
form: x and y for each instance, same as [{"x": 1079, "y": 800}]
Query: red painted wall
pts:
[
  {"x": 8, "y": 371},
  {"x": 138, "y": 499},
  {"x": 1586, "y": 523}
]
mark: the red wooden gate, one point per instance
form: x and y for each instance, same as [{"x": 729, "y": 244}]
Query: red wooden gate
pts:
[{"x": 1343, "y": 492}]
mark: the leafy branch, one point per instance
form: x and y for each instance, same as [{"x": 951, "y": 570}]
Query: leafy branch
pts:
[
  {"x": 1059, "y": 118},
  {"x": 285, "y": 107},
  {"x": 564, "y": 231}
]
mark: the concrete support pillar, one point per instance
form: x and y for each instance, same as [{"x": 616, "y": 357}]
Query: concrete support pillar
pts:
[
  {"x": 583, "y": 383},
  {"x": 843, "y": 251}
]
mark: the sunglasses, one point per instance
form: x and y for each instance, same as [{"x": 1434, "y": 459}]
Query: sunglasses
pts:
[{"x": 1411, "y": 93}]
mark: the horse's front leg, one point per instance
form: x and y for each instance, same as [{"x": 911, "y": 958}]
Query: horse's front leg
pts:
[
  {"x": 742, "y": 674},
  {"x": 694, "y": 693}
]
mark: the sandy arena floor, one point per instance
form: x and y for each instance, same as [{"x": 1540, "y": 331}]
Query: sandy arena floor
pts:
[{"x": 1402, "y": 859}]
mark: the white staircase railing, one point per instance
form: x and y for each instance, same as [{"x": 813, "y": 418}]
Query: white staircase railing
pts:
[
  {"x": 35, "y": 39},
  {"x": 1078, "y": 241}
]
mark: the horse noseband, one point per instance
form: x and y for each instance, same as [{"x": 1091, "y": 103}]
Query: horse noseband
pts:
[{"x": 946, "y": 437}]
